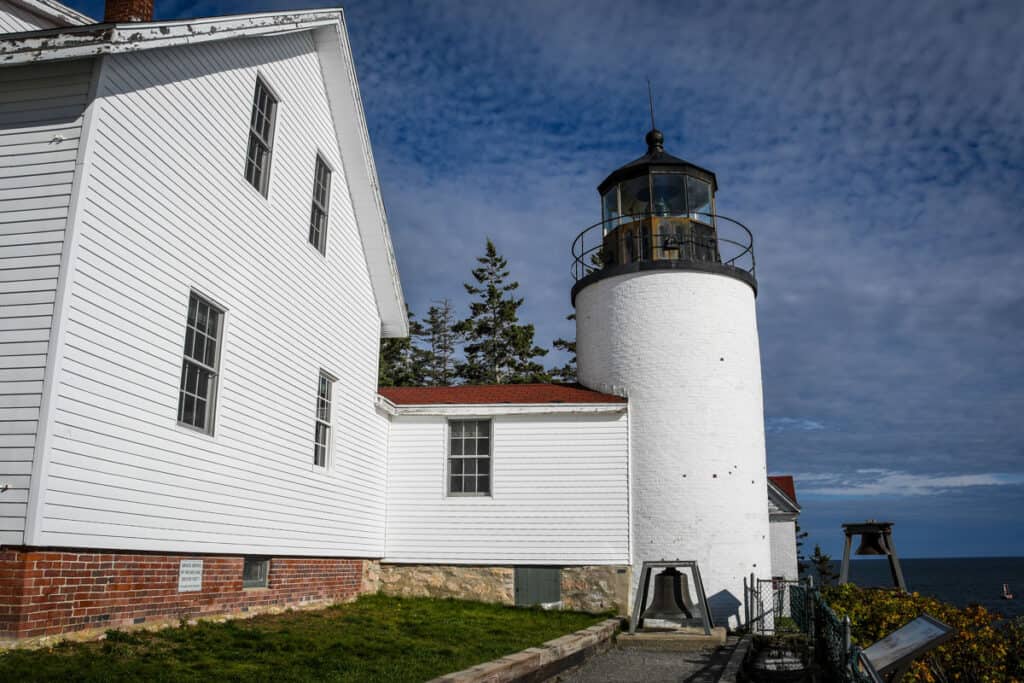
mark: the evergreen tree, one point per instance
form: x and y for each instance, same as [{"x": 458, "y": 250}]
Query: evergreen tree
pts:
[
  {"x": 438, "y": 334},
  {"x": 566, "y": 373},
  {"x": 823, "y": 566},
  {"x": 400, "y": 363},
  {"x": 497, "y": 348},
  {"x": 801, "y": 560}
]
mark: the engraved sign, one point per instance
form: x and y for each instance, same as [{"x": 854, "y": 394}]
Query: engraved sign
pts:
[{"x": 190, "y": 576}]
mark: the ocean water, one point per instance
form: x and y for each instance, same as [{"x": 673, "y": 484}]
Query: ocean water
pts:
[{"x": 961, "y": 581}]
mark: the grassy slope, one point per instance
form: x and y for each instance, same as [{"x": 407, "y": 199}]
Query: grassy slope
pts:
[{"x": 376, "y": 638}]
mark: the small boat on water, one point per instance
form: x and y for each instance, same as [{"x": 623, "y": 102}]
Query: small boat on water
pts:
[{"x": 1007, "y": 595}]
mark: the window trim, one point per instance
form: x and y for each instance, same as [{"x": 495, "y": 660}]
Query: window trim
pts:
[
  {"x": 264, "y": 186},
  {"x": 329, "y": 423},
  {"x": 448, "y": 493},
  {"x": 321, "y": 247},
  {"x": 214, "y": 393}
]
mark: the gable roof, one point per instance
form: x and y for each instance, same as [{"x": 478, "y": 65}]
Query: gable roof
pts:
[
  {"x": 341, "y": 84},
  {"x": 491, "y": 394},
  {"x": 59, "y": 14},
  {"x": 784, "y": 488},
  {"x": 785, "y": 484}
]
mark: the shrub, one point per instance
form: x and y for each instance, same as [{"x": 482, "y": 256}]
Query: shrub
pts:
[{"x": 984, "y": 650}]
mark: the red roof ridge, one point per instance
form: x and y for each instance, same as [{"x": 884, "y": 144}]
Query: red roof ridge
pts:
[{"x": 480, "y": 394}]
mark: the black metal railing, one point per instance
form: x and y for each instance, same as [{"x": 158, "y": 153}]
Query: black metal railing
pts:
[{"x": 695, "y": 237}]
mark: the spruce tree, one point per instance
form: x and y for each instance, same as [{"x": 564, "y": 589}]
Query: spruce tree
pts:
[
  {"x": 823, "y": 566},
  {"x": 567, "y": 372},
  {"x": 438, "y": 335},
  {"x": 400, "y": 362},
  {"x": 497, "y": 348},
  {"x": 801, "y": 560}
]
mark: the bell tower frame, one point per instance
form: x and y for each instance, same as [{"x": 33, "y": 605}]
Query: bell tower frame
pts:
[{"x": 876, "y": 539}]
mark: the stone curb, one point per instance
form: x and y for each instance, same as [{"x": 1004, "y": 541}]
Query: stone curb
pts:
[
  {"x": 540, "y": 663},
  {"x": 732, "y": 669}
]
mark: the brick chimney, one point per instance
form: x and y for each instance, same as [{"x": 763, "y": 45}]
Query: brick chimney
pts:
[{"x": 118, "y": 11}]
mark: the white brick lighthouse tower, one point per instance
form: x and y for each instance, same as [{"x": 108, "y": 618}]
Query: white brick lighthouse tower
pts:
[{"x": 665, "y": 316}]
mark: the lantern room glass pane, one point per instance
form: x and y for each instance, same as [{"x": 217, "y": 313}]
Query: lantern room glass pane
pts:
[
  {"x": 699, "y": 199},
  {"x": 669, "y": 199},
  {"x": 610, "y": 208},
  {"x": 635, "y": 196}
]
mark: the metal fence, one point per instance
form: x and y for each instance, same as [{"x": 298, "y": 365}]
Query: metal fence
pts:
[
  {"x": 776, "y": 607},
  {"x": 837, "y": 654}
]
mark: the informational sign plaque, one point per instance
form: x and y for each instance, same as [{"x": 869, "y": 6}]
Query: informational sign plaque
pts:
[
  {"x": 901, "y": 647},
  {"x": 190, "y": 576}
]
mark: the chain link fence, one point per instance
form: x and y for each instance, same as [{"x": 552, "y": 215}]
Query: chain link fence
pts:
[{"x": 780, "y": 607}]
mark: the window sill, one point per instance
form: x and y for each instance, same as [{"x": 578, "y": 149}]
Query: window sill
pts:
[
  {"x": 315, "y": 251},
  {"x": 196, "y": 431}
]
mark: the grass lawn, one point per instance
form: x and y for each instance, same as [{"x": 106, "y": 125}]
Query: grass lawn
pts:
[{"x": 375, "y": 638}]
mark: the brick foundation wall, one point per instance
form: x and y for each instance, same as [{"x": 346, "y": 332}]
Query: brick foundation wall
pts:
[{"x": 47, "y": 592}]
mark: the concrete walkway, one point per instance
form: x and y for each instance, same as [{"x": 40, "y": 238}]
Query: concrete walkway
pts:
[{"x": 622, "y": 665}]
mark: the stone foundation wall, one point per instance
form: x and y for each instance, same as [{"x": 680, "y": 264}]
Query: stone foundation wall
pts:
[
  {"x": 587, "y": 589},
  {"x": 486, "y": 584},
  {"x": 596, "y": 589}
]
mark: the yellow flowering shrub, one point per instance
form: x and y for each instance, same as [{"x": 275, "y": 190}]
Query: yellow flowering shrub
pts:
[{"x": 983, "y": 651}]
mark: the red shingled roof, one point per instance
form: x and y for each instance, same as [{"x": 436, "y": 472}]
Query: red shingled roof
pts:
[
  {"x": 786, "y": 484},
  {"x": 496, "y": 393}
]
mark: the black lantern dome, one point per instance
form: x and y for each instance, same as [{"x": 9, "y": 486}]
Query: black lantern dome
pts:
[
  {"x": 657, "y": 160},
  {"x": 658, "y": 212}
]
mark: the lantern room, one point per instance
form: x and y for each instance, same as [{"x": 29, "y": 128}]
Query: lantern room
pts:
[
  {"x": 658, "y": 207},
  {"x": 658, "y": 211}
]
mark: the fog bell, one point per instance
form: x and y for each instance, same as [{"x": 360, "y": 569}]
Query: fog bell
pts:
[
  {"x": 872, "y": 543},
  {"x": 671, "y": 600}
]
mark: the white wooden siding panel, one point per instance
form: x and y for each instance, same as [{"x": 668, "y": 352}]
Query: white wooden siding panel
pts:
[
  {"x": 560, "y": 493},
  {"x": 37, "y": 104},
  {"x": 14, "y": 19},
  {"x": 166, "y": 210}
]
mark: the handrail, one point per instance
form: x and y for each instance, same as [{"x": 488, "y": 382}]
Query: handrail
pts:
[{"x": 705, "y": 242}]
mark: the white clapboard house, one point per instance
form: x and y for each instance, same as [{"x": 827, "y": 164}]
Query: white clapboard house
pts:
[{"x": 195, "y": 274}]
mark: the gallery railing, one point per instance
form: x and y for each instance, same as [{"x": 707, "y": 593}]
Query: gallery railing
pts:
[{"x": 690, "y": 237}]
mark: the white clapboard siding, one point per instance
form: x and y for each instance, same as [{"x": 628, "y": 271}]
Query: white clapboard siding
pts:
[
  {"x": 560, "y": 493},
  {"x": 166, "y": 210},
  {"x": 38, "y": 151},
  {"x": 15, "y": 19}
]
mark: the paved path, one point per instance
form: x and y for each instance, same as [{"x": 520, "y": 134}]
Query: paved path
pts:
[{"x": 631, "y": 665}]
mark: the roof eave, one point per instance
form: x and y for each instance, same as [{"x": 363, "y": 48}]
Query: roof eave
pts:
[
  {"x": 60, "y": 14},
  {"x": 487, "y": 409},
  {"x": 784, "y": 498},
  {"x": 352, "y": 132},
  {"x": 95, "y": 39}
]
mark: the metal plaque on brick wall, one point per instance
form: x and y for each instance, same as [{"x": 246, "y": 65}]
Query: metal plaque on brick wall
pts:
[{"x": 190, "y": 576}]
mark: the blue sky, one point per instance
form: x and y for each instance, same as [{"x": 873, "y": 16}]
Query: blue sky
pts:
[{"x": 876, "y": 150}]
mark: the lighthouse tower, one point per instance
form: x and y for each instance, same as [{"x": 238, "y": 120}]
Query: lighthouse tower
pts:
[{"x": 665, "y": 316}]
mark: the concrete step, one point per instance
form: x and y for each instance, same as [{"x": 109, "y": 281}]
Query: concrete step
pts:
[{"x": 678, "y": 640}]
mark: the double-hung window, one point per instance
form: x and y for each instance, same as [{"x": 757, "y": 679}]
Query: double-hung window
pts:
[
  {"x": 322, "y": 432},
  {"x": 261, "y": 138},
  {"x": 321, "y": 203},
  {"x": 199, "y": 366},
  {"x": 469, "y": 458}
]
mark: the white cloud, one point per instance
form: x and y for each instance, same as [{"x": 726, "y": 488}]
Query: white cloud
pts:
[{"x": 881, "y": 482}]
